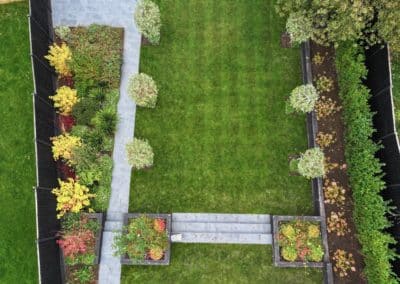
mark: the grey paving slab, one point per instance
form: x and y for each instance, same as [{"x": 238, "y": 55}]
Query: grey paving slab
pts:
[
  {"x": 201, "y": 227},
  {"x": 226, "y": 238},
  {"x": 117, "y": 14},
  {"x": 216, "y": 217}
]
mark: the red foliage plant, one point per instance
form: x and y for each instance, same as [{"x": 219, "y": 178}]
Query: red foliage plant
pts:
[
  {"x": 159, "y": 225},
  {"x": 67, "y": 171},
  {"x": 66, "y": 122},
  {"x": 76, "y": 243}
]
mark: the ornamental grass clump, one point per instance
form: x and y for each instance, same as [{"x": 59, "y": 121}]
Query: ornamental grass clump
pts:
[
  {"x": 59, "y": 57},
  {"x": 71, "y": 197},
  {"x": 303, "y": 98},
  {"x": 63, "y": 146},
  {"x": 300, "y": 241},
  {"x": 64, "y": 100},
  {"x": 143, "y": 90},
  {"x": 148, "y": 21},
  {"x": 311, "y": 163},
  {"x": 140, "y": 154},
  {"x": 142, "y": 240}
]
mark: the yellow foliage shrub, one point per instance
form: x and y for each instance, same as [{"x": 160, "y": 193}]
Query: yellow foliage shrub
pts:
[
  {"x": 71, "y": 197},
  {"x": 59, "y": 57},
  {"x": 64, "y": 99},
  {"x": 63, "y": 145}
]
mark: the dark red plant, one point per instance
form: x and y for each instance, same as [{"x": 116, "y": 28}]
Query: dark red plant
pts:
[
  {"x": 66, "y": 122},
  {"x": 66, "y": 171}
]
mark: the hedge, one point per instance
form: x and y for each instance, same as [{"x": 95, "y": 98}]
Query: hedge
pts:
[{"x": 364, "y": 169}]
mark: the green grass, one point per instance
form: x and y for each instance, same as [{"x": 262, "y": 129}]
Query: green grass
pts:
[
  {"x": 396, "y": 88},
  {"x": 220, "y": 134},
  {"x": 17, "y": 169}
]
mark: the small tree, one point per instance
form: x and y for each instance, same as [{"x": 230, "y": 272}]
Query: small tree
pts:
[
  {"x": 64, "y": 99},
  {"x": 59, "y": 57},
  {"x": 303, "y": 98},
  {"x": 147, "y": 18},
  {"x": 299, "y": 27},
  {"x": 311, "y": 163},
  {"x": 143, "y": 90},
  {"x": 140, "y": 154}
]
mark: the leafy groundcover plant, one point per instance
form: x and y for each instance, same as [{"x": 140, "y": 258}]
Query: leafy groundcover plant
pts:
[
  {"x": 143, "y": 239},
  {"x": 78, "y": 238},
  {"x": 300, "y": 241}
]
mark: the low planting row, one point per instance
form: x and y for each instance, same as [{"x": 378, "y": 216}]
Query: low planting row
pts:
[
  {"x": 365, "y": 170},
  {"x": 88, "y": 62}
]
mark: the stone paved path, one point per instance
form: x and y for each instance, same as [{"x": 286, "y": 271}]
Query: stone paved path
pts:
[
  {"x": 117, "y": 13},
  {"x": 222, "y": 228}
]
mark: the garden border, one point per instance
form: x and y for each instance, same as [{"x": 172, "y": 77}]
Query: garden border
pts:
[{"x": 168, "y": 228}]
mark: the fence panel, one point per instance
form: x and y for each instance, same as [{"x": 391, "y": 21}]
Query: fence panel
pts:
[
  {"x": 379, "y": 81},
  {"x": 48, "y": 225}
]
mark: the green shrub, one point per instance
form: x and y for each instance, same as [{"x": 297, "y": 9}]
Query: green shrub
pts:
[
  {"x": 299, "y": 27},
  {"x": 303, "y": 98},
  {"x": 101, "y": 201},
  {"x": 364, "y": 169},
  {"x": 140, "y": 154},
  {"x": 147, "y": 18},
  {"x": 143, "y": 90},
  {"x": 289, "y": 253},
  {"x": 85, "y": 110},
  {"x": 105, "y": 120},
  {"x": 97, "y": 57},
  {"x": 63, "y": 32},
  {"x": 324, "y": 84},
  {"x": 311, "y": 163},
  {"x": 83, "y": 274}
]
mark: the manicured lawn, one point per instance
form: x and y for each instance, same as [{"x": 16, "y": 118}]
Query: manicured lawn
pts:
[
  {"x": 17, "y": 169},
  {"x": 220, "y": 135}
]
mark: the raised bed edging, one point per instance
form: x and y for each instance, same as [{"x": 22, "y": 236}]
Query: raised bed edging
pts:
[
  {"x": 275, "y": 242},
  {"x": 127, "y": 261},
  {"x": 316, "y": 183},
  {"x": 97, "y": 248}
]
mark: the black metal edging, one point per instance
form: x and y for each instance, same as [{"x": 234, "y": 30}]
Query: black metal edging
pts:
[{"x": 316, "y": 184}]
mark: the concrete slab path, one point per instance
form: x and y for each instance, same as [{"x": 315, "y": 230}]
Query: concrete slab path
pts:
[{"x": 117, "y": 14}]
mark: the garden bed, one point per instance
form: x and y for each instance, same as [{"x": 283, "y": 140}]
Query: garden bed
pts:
[
  {"x": 336, "y": 179},
  {"x": 297, "y": 222},
  {"x": 147, "y": 259},
  {"x": 88, "y": 256}
]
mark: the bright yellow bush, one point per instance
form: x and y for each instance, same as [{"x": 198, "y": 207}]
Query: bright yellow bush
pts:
[
  {"x": 64, "y": 99},
  {"x": 71, "y": 197},
  {"x": 63, "y": 145},
  {"x": 59, "y": 57}
]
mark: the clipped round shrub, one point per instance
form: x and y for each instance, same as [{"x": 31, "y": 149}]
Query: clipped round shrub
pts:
[
  {"x": 288, "y": 231},
  {"x": 140, "y": 154},
  {"x": 59, "y": 57},
  {"x": 156, "y": 253},
  {"x": 316, "y": 254},
  {"x": 289, "y": 253},
  {"x": 313, "y": 231},
  {"x": 63, "y": 32},
  {"x": 148, "y": 21},
  {"x": 143, "y": 90},
  {"x": 299, "y": 27},
  {"x": 303, "y": 98},
  {"x": 311, "y": 163}
]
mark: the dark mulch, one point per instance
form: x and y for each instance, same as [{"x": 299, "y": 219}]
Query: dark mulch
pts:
[
  {"x": 336, "y": 154},
  {"x": 145, "y": 41},
  {"x": 286, "y": 41}
]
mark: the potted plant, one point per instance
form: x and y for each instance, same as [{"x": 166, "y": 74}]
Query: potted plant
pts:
[
  {"x": 80, "y": 239},
  {"x": 145, "y": 239},
  {"x": 298, "y": 241}
]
